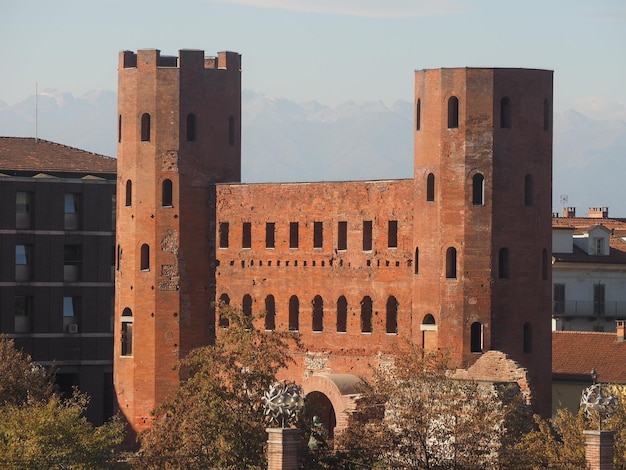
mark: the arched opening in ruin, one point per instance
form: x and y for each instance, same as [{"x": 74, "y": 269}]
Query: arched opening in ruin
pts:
[{"x": 318, "y": 404}]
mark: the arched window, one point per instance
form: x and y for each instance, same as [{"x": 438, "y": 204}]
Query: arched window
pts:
[
  {"x": 417, "y": 260},
  {"x": 528, "y": 338},
  {"x": 366, "y": 315},
  {"x": 418, "y": 116},
  {"x": 127, "y": 332},
  {"x": 429, "y": 333},
  {"x": 223, "y": 322},
  {"x": 246, "y": 305},
  {"x": 119, "y": 128},
  {"x": 528, "y": 190},
  {"x": 451, "y": 263},
  {"x": 270, "y": 313},
  {"x": 145, "y": 127},
  {"x": 392, "y": 315},
  {"x": 129, "y": 193},
  {"x": 191, "y": 127},
  {"x": 546, "y": 115},
  {"x": 453, "y": 112},
  {"x": 544, "y": 265},
  {"x": 145, "y": 257},
  {"x": 231, "y": 131},
  {"x": 318, "y": 314},
  {"x": 430, "y": 187},
  {"x": 476, "y": 338},
  {"x": 503, "y": 263},
  {"x": 342, "y": 314},
  {"x": 119, "y": 257},
  {"x": 478, "y": 189},
  {"x": 505, "y": 113},
  {"x": 166, "y": 193},
  {"x": 294, "y": 313}
]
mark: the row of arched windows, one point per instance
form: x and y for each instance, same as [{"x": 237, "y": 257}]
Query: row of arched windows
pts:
[
  {"x": 317, "y": 313},
  {"x": 166, "y": 193},
  {"x": 190, "y": 127},
  {"x": 506, "y": 120},
  {"x": 478, "y": 189}
]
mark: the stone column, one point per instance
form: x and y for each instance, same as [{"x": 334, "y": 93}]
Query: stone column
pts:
[
  {"x": 599, "y": 449},
  {"x": 282, "y": 448}
]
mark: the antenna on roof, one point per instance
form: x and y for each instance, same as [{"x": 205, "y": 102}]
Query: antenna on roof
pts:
[
  {"x": 563, "y": 200},
  {"x": 36, "y": 113}
]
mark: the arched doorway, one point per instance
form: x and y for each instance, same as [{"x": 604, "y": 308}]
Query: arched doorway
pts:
[{"x": 318, "y": 404}]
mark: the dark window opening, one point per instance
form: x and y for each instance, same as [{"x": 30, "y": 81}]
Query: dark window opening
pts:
[
  {"x": 528, "y": 190},
  {"x": 478, "y": 189},
  {"x": 392, "y": 315},
  {"x": 23, "y": 209},
  {"x": 294, "y": 313},
  {"x": 246, "y": 236},
  {"x": 476, "y": 338},
  {"x": 246, "y": 305},
  {"x": 342, "y": 235},
  {"x": 418, "y": 116},
  {"x": 430, "y": 187},
  {"x": 145, "y": 257},
  {"x": 127, "y": 332},
  {"x": 71, "y": 263},
  {"x": 417, "y": 260},
  {"x": 119, "y": 257},
  {"x": 231, "y": 131},
  {"x": 392, "y": 234},
  {"x": 598, "y": 299},
  {"x": 342, "y": 314},
  {"x": 528, "y": 338},
  {"x": 145, "y": 127},
  {"x": 166, "y": 196},
  {"x": 318, "y": 313},
  {"x": 559, "y": 299},
  {"x": 119, "y": 128},
  {"x": 451, "y": 263},
  {"x": 269, "y": 235},
  {"x": 191, "y": 127},
  {"x": 223, "y": 321},
  {"x": 367, "y": 235},
  {"x": 366, "y": 315},
  {"x": 503, "y": 263},
  {"x": 293, "y": 234},
  {"x": 224, "y": 227},
  {"x": 129, "y": 193},
  {"x": 270, "y": 313},
  {"x": 23, "y": 314},
  {"x": 453, "y": 112},
  {"x": 318, "y": 234},
  {"x": 505, "y": 113}
]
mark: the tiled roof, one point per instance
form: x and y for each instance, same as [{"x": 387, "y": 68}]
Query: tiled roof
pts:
[
  {"x": 575, "y": 353},
  {"x": 580, "y": 225},
  {"x": 27, "y": 155}
]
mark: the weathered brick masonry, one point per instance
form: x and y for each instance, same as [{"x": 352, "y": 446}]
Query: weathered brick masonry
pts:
[{"x": 457, "y": 257}]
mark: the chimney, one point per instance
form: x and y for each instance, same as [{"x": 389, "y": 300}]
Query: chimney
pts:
[
  {"x": 598, "y": 213},
  {"x": 569, "y": 212},
  {"x": 621, "y": 329}
]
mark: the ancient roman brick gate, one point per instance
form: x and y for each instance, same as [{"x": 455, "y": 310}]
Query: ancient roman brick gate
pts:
[{"x": 456, "y": 257}]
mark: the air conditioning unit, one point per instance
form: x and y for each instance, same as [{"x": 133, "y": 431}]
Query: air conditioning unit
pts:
[{"x": 73, "y": 328}]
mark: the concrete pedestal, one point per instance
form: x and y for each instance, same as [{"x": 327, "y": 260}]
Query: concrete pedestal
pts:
[
  {"x": 599, "y": 449},
  {"x": 282, "y": 448}
]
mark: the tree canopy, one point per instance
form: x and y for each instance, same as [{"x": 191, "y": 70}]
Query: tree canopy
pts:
[{"x": 215, "y": 418}]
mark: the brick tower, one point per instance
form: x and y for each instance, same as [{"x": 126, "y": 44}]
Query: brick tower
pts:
[
  {"x": 179, "y": 127},
  {"x": 482, "y": 215}
]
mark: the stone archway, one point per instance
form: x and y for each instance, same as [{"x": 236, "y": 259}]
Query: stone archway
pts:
[{"x": 335, "y": 395}]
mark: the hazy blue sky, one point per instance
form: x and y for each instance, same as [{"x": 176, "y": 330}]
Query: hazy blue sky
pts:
[{"x": 325, "y": 50}]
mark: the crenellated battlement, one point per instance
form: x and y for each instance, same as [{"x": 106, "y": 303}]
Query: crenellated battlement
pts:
[{"x": 187, "y": 58}]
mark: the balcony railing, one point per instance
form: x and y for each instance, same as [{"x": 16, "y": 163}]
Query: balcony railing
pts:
[{"x": 588, "y": 308}]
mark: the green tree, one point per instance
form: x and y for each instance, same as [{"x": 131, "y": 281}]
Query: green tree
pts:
[
  {"x": 41, "y": 430},
  {"x": 20, "y": 378},
  {"x": 415, "y": 416},
  {"x": 215, "y": 418}
]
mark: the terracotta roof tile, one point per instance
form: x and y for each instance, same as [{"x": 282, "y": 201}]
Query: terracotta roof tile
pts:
[
  {"x": 27, "y": 155},
  {"x": 575, "y": 353}
]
